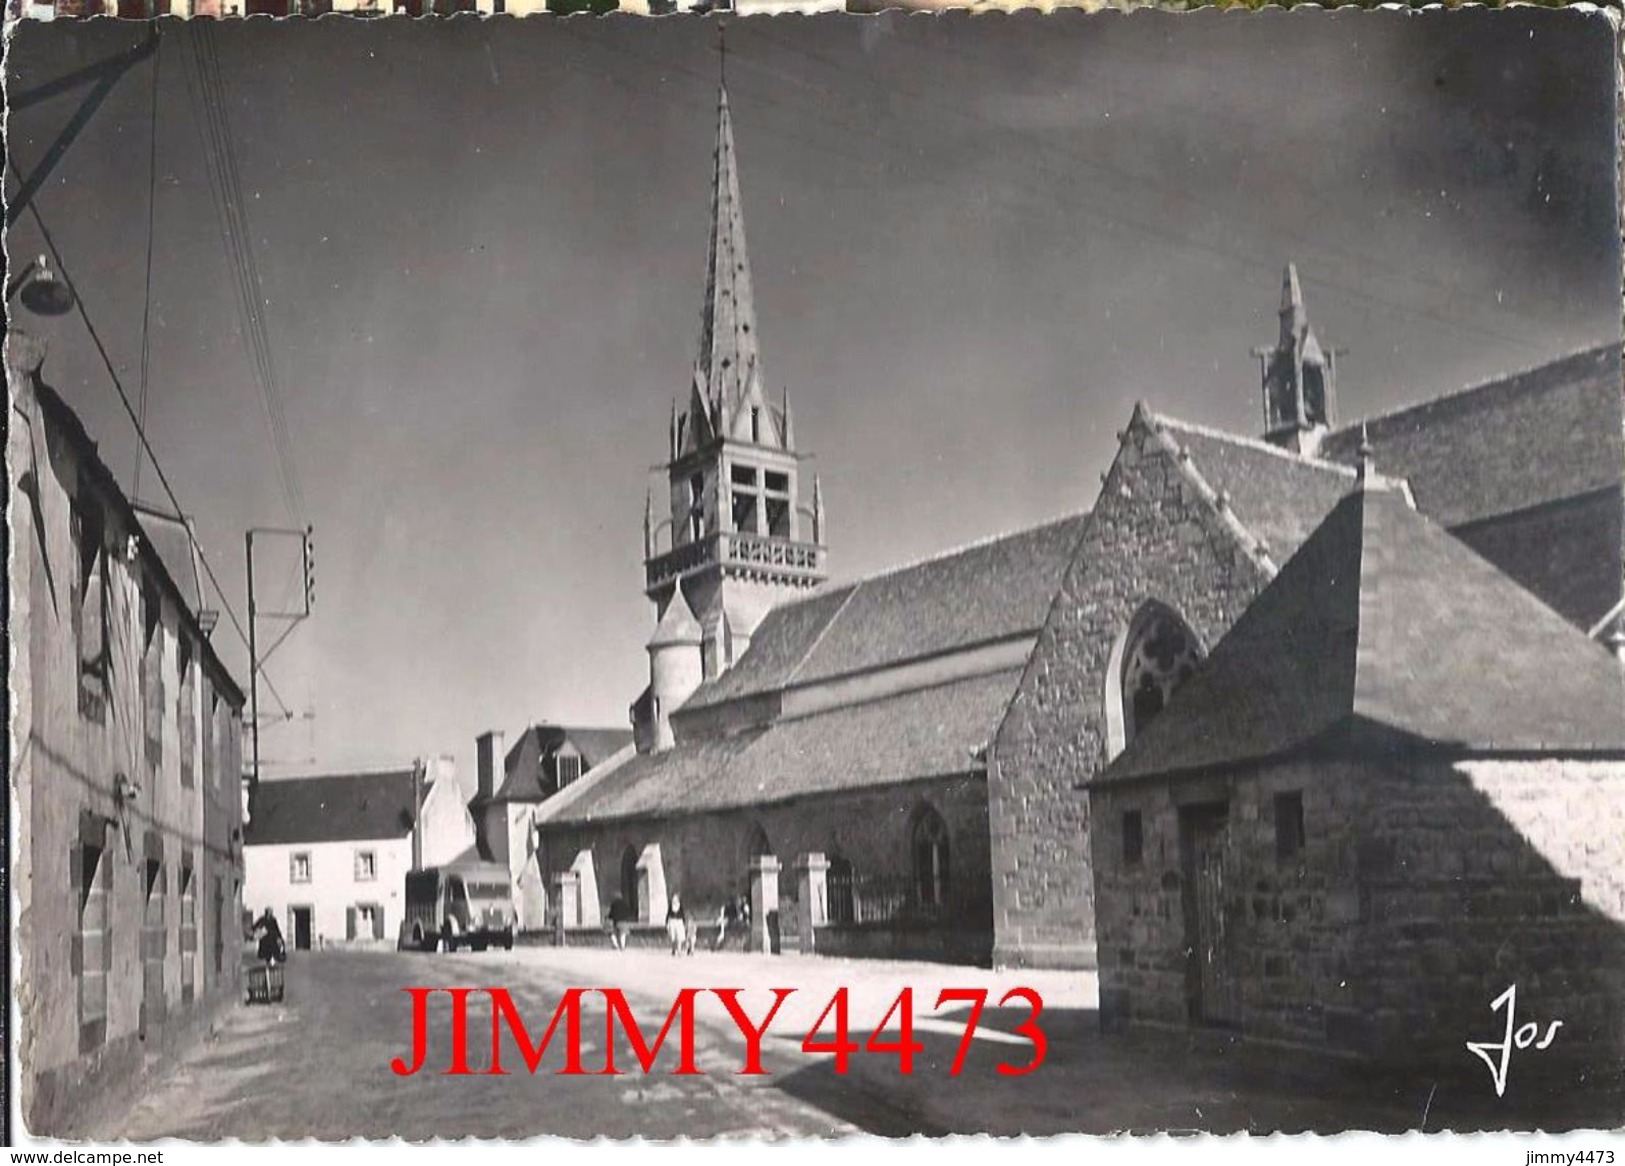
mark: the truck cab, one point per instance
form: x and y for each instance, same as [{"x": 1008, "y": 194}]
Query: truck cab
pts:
[{"x": 469, "y": 905}]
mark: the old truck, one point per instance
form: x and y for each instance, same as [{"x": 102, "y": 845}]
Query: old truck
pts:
[{"x": 467, "y": 905}]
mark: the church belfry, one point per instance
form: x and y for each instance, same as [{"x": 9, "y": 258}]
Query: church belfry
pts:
[
  {"x": 739, "y": 536},
  {"x": 1299, "y": 376}
]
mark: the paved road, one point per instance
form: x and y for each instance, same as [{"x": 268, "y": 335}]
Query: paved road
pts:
[{"x": 318, "y": 1065}]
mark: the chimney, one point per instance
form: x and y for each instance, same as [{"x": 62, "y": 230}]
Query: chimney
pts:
[
  {"x": 417, "y": 814},
  {"x": 489, "y": 747}
]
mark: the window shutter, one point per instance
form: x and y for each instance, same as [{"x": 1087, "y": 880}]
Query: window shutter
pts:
[
  {"x": 349, "y": 923},
  {"x": 377, "y": 922}
]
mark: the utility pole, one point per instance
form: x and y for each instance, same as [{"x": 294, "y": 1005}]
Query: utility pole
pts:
[
  {"x": 253, "y": 664},
  {"x": 293, "y": 618}
]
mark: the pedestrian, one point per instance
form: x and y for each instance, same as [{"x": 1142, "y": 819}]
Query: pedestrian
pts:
[
  {"x": 677, "y": 926},
  {"x": 620, "y": 923},
  {"x": 271, "y": 948}
]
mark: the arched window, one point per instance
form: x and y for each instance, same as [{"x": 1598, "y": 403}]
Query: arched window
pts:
[
  {"x": 1154, "y": 656},
  {"x": 629, "y": 880},
  {"x": 759, "y": 844},
  {"x": 929, "y": 846}
]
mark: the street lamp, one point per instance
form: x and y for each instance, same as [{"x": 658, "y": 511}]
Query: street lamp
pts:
[{"x": 41, "y": 290}]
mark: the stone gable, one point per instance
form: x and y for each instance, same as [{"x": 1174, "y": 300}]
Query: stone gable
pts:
[{"x": 1158, "y": 532}]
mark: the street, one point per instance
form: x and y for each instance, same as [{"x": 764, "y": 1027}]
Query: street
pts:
[{"x": 318, "y": 1065}]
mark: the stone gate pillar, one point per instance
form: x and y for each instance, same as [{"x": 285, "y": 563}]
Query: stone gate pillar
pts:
[
  {"x": 812, "y": 903},
  {"x": 587, "y": 913},
  {"x": 764, "y": 899},
  {"x": 567, "y": 892},
  {"x": 652, "y": 900}
]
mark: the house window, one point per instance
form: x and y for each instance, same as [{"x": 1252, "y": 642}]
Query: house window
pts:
[
  {"x": 154, "y": 942},
  {"x": 90, "y": 605},
  {"x": 92, "y": 943},
  {"x": 299, "y": 867},
  {"x": 1133, "y": 838},
  {"x": 188, "y": 935},
  {"x": 186, "y": 709},
  {"x": 152, "y": 670},
  {"x": 930, "y": 850},
  {"x": 744, "y": 511},
  {"x": 366, "y": 866},
  {"x": 364, "y": 921},
  {"x": 568, "y": 766},
  {"x": 1288, "y": 826}
]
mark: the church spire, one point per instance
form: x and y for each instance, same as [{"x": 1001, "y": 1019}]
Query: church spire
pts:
[
  {"x": 1299, "y": 376},
  {"x": 728, "y": 359}
]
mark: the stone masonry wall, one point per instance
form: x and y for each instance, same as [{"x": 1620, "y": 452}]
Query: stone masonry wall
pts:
[
  {"x": 1156, "y": 533},
  {"x": 1486, "y": 874},
  {"x": 1289, "y": 943},
  {"x": 705, "y": 855},
  {"x": 1423, "y": 891}
]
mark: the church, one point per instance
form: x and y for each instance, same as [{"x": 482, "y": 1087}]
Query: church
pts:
[{"x": 895, "y": 765}]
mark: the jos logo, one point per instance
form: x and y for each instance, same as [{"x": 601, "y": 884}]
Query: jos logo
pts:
[{"x": 1498, "y": 1054}]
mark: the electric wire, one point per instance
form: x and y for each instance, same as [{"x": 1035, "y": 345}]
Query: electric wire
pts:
[
  {"x": 146, "y": 444},
  {"x": 152, "y": 220}
]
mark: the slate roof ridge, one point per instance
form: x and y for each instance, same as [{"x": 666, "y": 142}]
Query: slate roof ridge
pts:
[
  {"x": 835, "y": 616},
  {"x": 1253, "y": 443},
  {"x": 348, "y": 775},
  {"x": 1249, "y": 539},
  {"x": 973, "y": 545},
  {"x": 1484, "y": 386},
  {"x": 564, "y": 798}
]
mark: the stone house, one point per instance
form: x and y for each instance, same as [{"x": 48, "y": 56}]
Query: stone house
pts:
[
  {"x": 1192, "y": 523},
  {"x": 329, "y": 855},
  {"x": 510, "y": 786},
  {"x": 1394, "y": 789},
  {"x": 126, "y": 747}
]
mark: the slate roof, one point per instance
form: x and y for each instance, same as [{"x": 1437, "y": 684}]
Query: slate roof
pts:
[
  {"x": 357, "y": 806},
  {"x": 61, "y": 414},
  {"x": 982, "y": 593},
  {"x": 925, "y": 733},
  {"x": 520, "y": 784},
  {"x": 1384, "y": 618},
  {"x": 173, "y": 542},
  {"x": 1281, "y": 497},
  {"x": 1539, "y": 436}
]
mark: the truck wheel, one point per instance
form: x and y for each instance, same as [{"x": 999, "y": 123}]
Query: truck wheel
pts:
[
  {"x": 507, "y": 941},
  {"x": 417, "y": 938}
]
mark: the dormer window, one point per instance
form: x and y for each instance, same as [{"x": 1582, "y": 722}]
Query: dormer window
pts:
[{"x": 568, "y": 767}]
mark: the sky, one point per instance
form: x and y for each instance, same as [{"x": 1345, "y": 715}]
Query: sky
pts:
[{"x": 975, "y": 243}]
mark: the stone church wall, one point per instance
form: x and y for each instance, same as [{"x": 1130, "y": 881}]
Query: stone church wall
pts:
[
  {"x": 1156, "y": 533},
  {"x": 705, "y": 856}
]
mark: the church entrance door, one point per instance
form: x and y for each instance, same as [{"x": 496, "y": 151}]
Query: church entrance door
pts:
[{"x": 1212, "y": 987}]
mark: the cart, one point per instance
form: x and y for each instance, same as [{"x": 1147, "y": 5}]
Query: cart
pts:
[{"x": 265, "y": 984}]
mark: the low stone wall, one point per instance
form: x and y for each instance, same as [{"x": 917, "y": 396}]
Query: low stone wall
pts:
[
  {"x": 905, "y": 941},
  {"x": 646, "y": 936}
]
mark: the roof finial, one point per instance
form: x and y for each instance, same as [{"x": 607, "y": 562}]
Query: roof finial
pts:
[
  {"x": 1368, "y": 459},
  {"x": 722, "y": 55}
]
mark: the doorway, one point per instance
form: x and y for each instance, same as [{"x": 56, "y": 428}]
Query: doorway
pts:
[
  {"x": 299, "y": 924},
  {"x": 1211, "y": 985}
]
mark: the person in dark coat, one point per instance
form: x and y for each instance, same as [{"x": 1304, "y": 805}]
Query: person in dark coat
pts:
[
  {"x": 271, "y": 948},
  {"x": 620, "y": 923}
]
